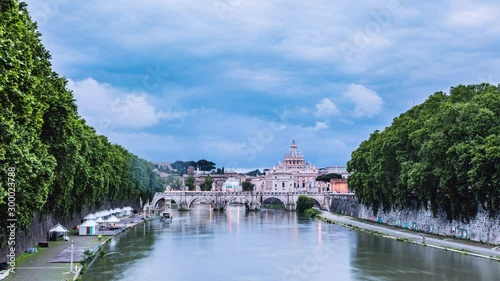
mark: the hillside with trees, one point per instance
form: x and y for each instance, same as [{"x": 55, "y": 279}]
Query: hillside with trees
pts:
[
  {"x": 443, "y": 154},
  {"x": 60, "y": 163}
]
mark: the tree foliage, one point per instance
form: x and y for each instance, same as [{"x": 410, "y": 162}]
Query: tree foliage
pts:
[
  {"x": 443, "y": 154},
  {"x": 255, "y": 173},
  {"x": 328, "y": 177},
  {"x": 247, "y": 186},
  {"x": 60, "y": 163},
  {"x": 174, "y": 182},
  {"x": 189, "y": 182},
  {"x": 207, "y": 184},
  {"x": 304, "y": 203}
]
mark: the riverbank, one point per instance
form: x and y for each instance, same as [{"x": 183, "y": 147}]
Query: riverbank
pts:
[
  {"x": 445, "y": 243},
  {"x": 43, "y": 266}
]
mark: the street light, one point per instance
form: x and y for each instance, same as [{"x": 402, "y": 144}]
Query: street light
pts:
[{"x": 71, "y": 267}]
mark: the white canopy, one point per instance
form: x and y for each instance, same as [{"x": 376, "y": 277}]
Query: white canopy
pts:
[
  {"x": 100, "y": 220},
  {"x": 90, "y": 217},
  {"x": 88, "y": 223},
  {"x": 102, "y": 213},
  {"x": 58, "y": 228},
  {"x": 128, "y": 208},
  {"x": 112, "y": 219},
  {"x": 117, "y": 210}
]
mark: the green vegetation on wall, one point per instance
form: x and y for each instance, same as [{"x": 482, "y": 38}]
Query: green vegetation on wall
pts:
[
  {"x": 443, "y": 154},
  {"x": 60, "y": 163}
]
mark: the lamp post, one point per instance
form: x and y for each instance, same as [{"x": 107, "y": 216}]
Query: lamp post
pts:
[{"x": 71, "y": 267}]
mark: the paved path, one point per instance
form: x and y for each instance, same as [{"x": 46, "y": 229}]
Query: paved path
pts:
[
  {"x": 37, "y": 268},
  {"x": 417, "y": 238}
]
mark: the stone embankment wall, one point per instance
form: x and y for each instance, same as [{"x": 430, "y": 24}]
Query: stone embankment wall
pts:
[
  {"x": 481, "y": 229},
  {"x": 41, "y": 226}
]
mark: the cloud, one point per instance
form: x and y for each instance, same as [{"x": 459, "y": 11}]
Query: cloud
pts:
[
  {"x": 326, "y": 107},
  {"x": 474, "y": 16},
  {"x": 105, "y": 107},
  {"x": 320, "y": 125},
  {"x": 366, "y": 102},
  {"x": 258, "y": 78}
]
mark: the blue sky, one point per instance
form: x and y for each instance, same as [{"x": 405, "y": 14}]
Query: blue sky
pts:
[{"x": 234, "y": 81}]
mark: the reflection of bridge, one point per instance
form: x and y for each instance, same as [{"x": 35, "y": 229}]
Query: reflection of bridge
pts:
[{"x": 253, "y": 200}]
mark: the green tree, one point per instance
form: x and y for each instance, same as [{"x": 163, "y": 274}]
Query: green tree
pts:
[
  {"x": 60, "y": 164},
  {"x": 174, "y": 182},
  {"x": 207, "y": 184},
  {"x": 189, "y": 182},
  {"x": 247, "y": 186},
  {"x": 304, "y": 203},
  {"x": 439, "y": 154},
  {"x": 205, "y": 165},
  {"x": 328, "y": 177}
]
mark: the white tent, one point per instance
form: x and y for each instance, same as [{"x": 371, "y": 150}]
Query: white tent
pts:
[
  {"x": 87, "y": 228},
  {"x": 58, "y": 228},
  {"x": 100, "y": 222},
  {"x": 127, "y": 211},
  {"x": 112, "y": 219},
  {"x": 101, "y": 214},
  {"x": 90, "y": 217},
  {"x": 118, "y": 212}
]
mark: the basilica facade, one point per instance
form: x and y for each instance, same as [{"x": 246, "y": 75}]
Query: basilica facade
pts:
[{"x": 293, "y": 174}]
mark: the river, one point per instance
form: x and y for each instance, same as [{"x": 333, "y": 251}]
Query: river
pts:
[{"x": 272, "y": 245}]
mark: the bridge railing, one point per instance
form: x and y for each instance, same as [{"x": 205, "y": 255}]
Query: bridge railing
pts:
[{"x": 205, "y": 193}]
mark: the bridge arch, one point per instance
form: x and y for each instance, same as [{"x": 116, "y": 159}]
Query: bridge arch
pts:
[
  {"x": 160, "y": 202},
  {"x": 201, "y": 199},
  {"x": 274, "y": 197},
  {"x": 316, "y": 202},
  {"x": 165, "y": 199},
  {"x": 231, "y": 199}
]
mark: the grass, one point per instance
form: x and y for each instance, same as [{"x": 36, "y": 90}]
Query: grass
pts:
[
  {"x": 22, "y": 258},
  {"x": 273, "y": 206},
  {"x": 312, "y": 213}
]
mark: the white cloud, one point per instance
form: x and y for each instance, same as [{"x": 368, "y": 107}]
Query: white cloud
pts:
[
  {"x": 366, "y": 101},
  {"x": 320, "y": 125},
  {"x": 474, "y": 16},
  {"x": 105, "y": 107},
  {"x": 258, "y": 78},
  {"x": 326, "y": 107}
]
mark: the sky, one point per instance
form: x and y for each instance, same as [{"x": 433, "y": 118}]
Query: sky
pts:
[{"x": 235, "y": 81}]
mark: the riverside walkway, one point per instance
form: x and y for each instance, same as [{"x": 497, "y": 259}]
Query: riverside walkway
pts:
[{"x": 445, "y": 243}]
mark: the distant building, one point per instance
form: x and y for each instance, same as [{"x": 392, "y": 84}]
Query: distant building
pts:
[
  {"x": 232, "y": 185},
  {"x": 341, "y": 170},
  {"x": 339, "y": 185},
  {"x": 295, "y": 171},
  {"x": 259, "y": 183}
]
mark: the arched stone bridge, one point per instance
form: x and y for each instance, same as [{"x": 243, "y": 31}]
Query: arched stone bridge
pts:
[{"x": 253, "y": 200}]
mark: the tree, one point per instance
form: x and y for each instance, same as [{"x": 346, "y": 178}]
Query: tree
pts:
[
  {"x": 328, "y": 177},
  {"x": 247, "y": 186},
  {"x": 440, "y": 154},
  {"x": 174, "y": 182},
  {"x": 59, "y": 163},
  {"x": 207, "y": 184},
  {"x": 254, "y": 173},
  {"x": 205, "y": 165},
  {"x": 189, "y": 182},
  {"x": 304, "y": 203}
]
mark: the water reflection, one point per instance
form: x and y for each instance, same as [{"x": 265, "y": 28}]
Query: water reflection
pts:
[
  {"x": 272, "y": 245},
  {"x": 385, "y": 259}
]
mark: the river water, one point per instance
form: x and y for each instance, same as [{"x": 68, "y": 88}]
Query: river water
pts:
[{"x": 272, "y": 245}]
